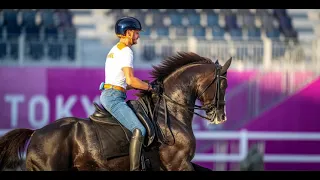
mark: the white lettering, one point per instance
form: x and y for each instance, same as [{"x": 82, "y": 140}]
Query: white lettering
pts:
[
  {"x": 88, "y": 105},
  {"x": 14, "y": 100},
  {"x": 64, "y": 110},
  {"x": 38, "y": 123}
]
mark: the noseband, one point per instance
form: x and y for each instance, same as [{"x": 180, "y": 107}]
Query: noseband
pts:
[{"x": 214, "y": 105}]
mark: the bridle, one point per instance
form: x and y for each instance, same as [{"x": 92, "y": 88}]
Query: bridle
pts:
[{"x": 212, "y": 106}]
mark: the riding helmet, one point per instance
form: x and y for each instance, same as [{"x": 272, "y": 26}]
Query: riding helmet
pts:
[{"x": 127, "y": 23}]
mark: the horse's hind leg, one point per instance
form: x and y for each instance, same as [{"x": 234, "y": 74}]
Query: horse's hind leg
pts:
[
  {"x": 36, "y": 162},
  {"x": 34, "y": 166},
  {"x": 44, "y": 156},
  {"x": 87, "y": 163}
]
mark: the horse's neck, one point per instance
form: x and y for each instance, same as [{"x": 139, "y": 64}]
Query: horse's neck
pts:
[
  {"x": 175, "y": 113},
  {"x": 183, "y": 93}
]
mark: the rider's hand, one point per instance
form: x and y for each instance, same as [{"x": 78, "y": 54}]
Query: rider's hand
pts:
[{"x": 155, "y": 87}]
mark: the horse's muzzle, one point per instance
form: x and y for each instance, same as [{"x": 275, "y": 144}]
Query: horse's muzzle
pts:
[{"x": 217, "y": 116}]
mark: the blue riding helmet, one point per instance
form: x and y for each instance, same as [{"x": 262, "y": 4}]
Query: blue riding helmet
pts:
[{"x": 126, "y": 23}]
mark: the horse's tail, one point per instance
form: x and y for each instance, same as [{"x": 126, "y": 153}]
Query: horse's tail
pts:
[{"x": 12, "y": 145}]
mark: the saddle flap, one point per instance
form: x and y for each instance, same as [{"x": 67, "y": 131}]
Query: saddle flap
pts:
[{"x": 142, "y": 115}]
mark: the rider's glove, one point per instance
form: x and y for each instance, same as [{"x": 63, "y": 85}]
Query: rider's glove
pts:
[{"x": 154, "y": 87}]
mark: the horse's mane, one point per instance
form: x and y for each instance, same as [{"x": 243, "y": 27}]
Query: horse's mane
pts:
[{"x": 172, "y": 63}]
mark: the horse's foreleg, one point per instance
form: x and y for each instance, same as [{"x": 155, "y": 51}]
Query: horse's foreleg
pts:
[
  {"x": 176, "y": 160},
  {"x": 186, "y": 166},
  {"x": 179, "y": 165},
  {"x": 177, "y": 157}
]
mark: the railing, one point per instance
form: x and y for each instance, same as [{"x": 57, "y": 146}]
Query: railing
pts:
[
  {"x": 245, "y": 53},
  {"x": 228, "y": 153},
  {"x": 244, "y": 136},
  {"x": 3, "y": 131},
  {"x": 265, "y": 53}
]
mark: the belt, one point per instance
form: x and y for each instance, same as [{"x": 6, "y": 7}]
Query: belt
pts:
[{"x": 110, "y": 86}]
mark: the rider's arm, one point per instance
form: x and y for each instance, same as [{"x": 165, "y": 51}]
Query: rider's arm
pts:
[
  {"x": 129, "y": 87},
  {"x": 127, "y": 68},
  {"x": 133, "y": 81}
]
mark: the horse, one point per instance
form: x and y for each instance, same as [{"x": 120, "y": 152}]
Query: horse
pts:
[{"x": 100, "y": 143}]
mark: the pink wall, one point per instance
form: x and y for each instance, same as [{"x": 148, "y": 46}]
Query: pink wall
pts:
[{"x": 34, "y": 97}]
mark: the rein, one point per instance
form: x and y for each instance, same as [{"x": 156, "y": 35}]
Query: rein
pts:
[
  {"x": 215, "y": 104},
  {"x": 216, "y": 101}
]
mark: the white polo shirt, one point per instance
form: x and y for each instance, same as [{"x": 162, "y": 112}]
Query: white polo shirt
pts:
[{"x": 118, "y": 57}]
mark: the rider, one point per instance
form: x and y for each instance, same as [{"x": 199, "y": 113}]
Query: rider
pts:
[{"x": 119, "y": 77}]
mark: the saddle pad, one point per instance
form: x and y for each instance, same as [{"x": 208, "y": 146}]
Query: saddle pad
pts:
[{"x": 114, "y": 139}]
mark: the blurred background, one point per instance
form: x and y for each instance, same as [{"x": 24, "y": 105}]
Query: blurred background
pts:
[{"x": 52, "y": 62}]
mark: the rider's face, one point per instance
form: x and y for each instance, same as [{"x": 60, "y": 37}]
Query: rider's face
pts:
[
  {"x": 133, "y": 35},
  {"x": 136, "y": 36}
]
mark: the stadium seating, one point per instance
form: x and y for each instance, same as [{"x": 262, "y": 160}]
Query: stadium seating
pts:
[
  {"x": 49, "y": 38},
  {"x": 216, "y": 24},
  {"x": 54, "y": 35}
]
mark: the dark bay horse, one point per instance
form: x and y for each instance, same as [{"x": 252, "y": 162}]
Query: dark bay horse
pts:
[{"x": 100, "y": 143}]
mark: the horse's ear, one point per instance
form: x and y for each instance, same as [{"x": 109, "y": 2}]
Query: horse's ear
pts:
[{"x": 226, "y": 66}]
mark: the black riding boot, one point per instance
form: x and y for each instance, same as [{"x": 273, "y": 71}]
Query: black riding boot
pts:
[{"x": 135, "y": 150}]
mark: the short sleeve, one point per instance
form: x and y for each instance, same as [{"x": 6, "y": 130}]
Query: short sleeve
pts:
[{"x": 127, "y": 58}]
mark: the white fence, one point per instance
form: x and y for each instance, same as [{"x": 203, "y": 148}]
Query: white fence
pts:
[{"x": 244, "y": 137}]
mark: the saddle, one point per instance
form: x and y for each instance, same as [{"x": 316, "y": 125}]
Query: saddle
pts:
[{"x": 117, "y": 144}]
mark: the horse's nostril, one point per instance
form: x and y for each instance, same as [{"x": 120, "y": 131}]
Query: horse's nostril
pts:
[{"x": 223, "y": 117}]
